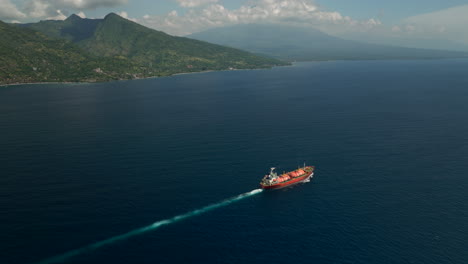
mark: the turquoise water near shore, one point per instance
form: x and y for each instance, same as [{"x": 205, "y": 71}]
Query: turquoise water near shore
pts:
[{"x": 83, "y": 163}]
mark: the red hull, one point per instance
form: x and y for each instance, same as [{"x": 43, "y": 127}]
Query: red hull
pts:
[{"x": 289, "y": 182}]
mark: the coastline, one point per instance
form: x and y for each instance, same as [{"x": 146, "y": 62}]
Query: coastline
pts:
[
  {"x": 142, "y": 78},
  {"x": 291, "y": 63}
]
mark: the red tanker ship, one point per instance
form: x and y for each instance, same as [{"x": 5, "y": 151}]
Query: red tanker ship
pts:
[{"x": 273, "y": 181}]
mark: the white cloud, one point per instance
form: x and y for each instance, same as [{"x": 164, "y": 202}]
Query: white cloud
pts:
[
  {"x": 8, "y": 11},
  {"x": 304, "y": 12},
  {"x": 194, "y": 3},
  {"x": 58, "y": 16},
  {"x": 81, "y": 14},
  {"x": 125, "y": 15}
]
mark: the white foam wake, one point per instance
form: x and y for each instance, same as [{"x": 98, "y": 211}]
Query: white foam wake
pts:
[{"x": 151, "y": 227}]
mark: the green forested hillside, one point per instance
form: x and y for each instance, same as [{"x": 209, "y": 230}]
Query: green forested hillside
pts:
[
  {"x": 79, "y": 49},
  {"x": 30, "y": 56},
  {"x": 116, "y": 36}
]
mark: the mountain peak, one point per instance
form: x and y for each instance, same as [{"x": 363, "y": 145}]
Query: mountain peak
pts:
[
  {"x": 112, "y": 15},
  {"x": 290, "y": 42},
  {"x": 73, "y": 17}
]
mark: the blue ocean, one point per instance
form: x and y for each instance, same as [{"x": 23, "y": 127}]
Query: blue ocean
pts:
[{"x": 167, "y": 170}]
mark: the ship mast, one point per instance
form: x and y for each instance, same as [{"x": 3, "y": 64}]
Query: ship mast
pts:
[{"x": 272, "y": 172}]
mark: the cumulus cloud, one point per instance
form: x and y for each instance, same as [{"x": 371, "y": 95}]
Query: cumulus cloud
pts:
[
  {"x": 8, "y": 11},
  {"x": 304, "y": 12},
  {"x": 81, "y": 14},
  {"x": 125, "y": 15},
  {"x": 194, "y": 3},
  {"x": 58, "y": 16}
]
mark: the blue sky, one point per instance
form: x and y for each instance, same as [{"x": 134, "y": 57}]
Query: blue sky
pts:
[
  {"x": 385, "y": 10},
  {"x": 376, "y": 20}
]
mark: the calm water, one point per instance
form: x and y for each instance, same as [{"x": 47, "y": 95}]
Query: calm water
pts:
[{"x": 81, "y": 163}]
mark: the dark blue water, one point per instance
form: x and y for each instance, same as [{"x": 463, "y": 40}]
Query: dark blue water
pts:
[{"x": 81, "y": 163}]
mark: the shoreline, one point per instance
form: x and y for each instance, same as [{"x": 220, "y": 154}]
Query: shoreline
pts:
[
  {"x": 291, "y": 63},
  {"x": 143, "y": 78}
]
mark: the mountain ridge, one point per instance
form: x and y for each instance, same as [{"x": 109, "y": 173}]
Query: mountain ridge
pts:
[
  {"x": 114, "y": 48},
  {"x": 295, "y": 43}
]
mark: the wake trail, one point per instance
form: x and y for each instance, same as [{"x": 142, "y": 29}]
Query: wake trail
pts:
[{"x": 63, "y": 257}]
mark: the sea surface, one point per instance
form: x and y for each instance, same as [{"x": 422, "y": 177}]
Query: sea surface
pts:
[{"x": 81, "y": 165}]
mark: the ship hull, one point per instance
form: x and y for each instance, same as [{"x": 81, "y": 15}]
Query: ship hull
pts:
[{"x": 288, "y": 183}]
